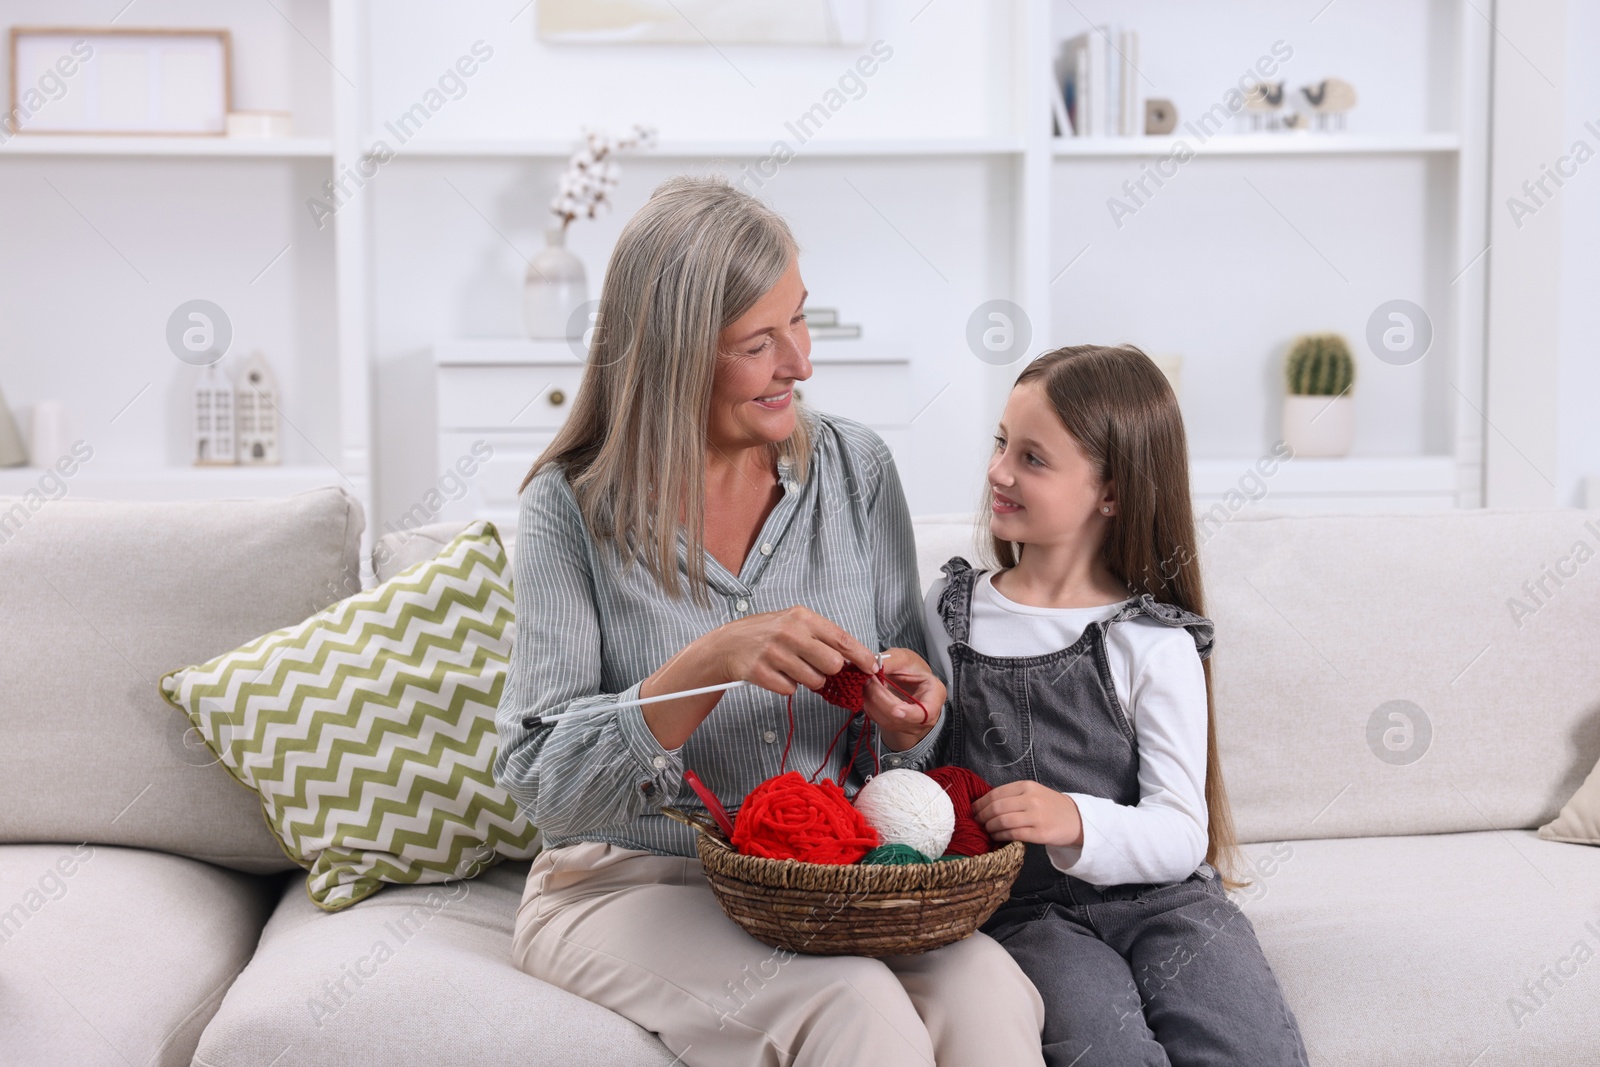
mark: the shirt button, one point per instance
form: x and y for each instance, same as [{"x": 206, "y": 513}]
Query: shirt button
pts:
[
  {"x": 770, "y": 737},
  {"x": 743, "y": 605},
  {"x": 766, "y": 550},
  {"x": 659, "y": 762},
  {"x": 893, "y": 761}
]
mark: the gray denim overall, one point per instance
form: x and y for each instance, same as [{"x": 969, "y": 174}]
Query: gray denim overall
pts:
[{"x": 1133, "y": 974}]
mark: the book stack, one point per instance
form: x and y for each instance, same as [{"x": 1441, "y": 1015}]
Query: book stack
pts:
[
  {"x": 1097, "y": 75},
  {"x": 824, "y": 325}
]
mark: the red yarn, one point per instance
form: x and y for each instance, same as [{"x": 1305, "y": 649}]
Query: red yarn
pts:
[
  {"x": 964, "y": 787},
  {"x": 848, "y": 690},
  {"x": 789, "y": 818}
]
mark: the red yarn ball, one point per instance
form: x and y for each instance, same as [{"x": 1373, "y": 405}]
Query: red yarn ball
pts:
[
  {"x": 789, "y": 818},
  {"x": 964, "y": 787}
]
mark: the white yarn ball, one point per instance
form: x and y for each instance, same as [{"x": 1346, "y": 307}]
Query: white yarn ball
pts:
[{"x": 909, "y": 808}]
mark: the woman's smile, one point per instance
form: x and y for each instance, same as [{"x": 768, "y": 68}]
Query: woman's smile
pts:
[{"x": 775, "y": 401}]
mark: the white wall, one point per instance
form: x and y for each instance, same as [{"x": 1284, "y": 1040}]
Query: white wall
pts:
[
  {"x": 1579, "y": 443},
  {"x": 905, "y": 247}
]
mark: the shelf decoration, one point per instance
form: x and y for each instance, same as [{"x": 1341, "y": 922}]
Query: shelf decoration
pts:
[
  {"x": 255, "y": 412},
  {"x": 12, "y": 452},
  {"x": 823, "y": 324},
  {"x": 214, "y": 444},
  {"x": 1328, "y": 101},
  {"x": 1331, "y": 100},
  {"x": 1160, "y": 117},
  {"x": 1097, "y": 73},
  {"x": 1319, "y": 416},
  {"x": 556, "y": 286},
  {"x": 697, "y": 22},
  {"x": 127, "y": 81}
]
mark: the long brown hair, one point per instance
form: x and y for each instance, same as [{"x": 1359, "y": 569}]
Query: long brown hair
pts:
[
  {"x": 696, "y": 257},
  {"x": 1119, "y": 407}
]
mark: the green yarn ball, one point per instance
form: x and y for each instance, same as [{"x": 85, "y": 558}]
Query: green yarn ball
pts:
[{"x": 894, "y": 856}]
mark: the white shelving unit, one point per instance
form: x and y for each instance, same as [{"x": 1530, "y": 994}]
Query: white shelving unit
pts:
[
  {"x": 908, "y": 222},
  {"x": 1447, "y": 161},
  {"x": 197, "y": 147},
  {"x": 280, "y": 60},
  {"x": 712, "y": 150}
]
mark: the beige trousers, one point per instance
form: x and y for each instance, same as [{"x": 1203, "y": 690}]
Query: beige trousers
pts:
[{"x": 643, "y": 935}]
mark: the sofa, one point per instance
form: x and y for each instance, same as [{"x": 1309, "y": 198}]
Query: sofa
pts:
[{"x": 1392, "y": 731}]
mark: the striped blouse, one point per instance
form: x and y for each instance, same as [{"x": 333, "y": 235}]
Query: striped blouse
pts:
[{"x": 589, "y": 632}]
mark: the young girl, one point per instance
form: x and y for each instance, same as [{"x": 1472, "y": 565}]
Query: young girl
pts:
[{"x": 1076, "y": 680}]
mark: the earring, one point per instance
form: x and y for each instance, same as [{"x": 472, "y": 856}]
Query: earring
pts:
[{"x": 1105, "y": 509}]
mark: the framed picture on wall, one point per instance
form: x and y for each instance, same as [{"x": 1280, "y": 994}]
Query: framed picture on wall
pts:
[
  {"x": 810, "y": 22},
  {"x": 114, "y": 81}
]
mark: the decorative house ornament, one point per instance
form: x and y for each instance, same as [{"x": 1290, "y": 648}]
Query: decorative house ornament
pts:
[
  {"x": 555, "y": 286},
  {"x": 12, "y": 452},
  {"x": 256, "y": 412},
  {"x": 1319, "y": 417},
  {"x": 213, "y": 419}
]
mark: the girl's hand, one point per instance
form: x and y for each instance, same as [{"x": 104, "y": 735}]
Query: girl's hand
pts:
[
  {"x": 1030, "y": 812},
  {"x": 902, "y": 722}
]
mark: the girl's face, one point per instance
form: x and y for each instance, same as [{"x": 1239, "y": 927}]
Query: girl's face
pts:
[
  {"x": 1046, "y": 491},
  {"x": 760, "y": 356}
]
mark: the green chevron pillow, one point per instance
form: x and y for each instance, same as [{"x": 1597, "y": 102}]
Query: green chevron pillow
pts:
[{"x": 368, "y": 729}]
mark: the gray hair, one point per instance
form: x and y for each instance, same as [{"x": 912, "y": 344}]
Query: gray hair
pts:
[{"x": 695, "y": 258}]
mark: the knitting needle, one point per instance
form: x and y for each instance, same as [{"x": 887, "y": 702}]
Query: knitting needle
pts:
[{"x": 532, "y": 722}]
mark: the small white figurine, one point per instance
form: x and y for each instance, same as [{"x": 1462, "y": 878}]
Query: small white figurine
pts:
[
  {"x": 256, "y": 412},
  {"x": 213, "y": 419}
]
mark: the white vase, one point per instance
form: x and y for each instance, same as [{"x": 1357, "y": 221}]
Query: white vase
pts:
[
  {"x": 1319, "y": 425},
  {"x": 555, "y": 288}
]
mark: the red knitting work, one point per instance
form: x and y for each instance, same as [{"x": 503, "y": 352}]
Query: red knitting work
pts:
[{"x": 847, "y": 689}]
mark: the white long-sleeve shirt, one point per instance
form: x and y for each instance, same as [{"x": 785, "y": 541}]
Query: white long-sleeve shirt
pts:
[{"x": 1159, "y": 682}]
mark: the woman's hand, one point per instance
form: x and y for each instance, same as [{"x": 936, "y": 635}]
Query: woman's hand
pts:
[
  {"x": 777, "y": 650},
  {"x": 783, "y": 650},
  {"x": 902, "y": 722},
  {"x": 1028, "y": 811}
]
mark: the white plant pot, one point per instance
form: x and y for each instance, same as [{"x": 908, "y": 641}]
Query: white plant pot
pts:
[
  {"x": 554, "y": 289},
  {"x": 1319, "y": 425}
]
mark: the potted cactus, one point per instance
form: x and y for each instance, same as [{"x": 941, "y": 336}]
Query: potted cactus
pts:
[{"x": 1318, "y": 414}]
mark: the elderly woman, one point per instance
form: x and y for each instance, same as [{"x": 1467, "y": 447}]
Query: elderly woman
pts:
[{"x": 693, "y": 524}]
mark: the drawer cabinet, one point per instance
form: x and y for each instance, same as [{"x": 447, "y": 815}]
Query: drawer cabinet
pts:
[{"x": 514, "y": 395}]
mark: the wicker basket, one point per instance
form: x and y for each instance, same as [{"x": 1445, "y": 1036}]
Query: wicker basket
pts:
[{"x": 854, "y": 909}]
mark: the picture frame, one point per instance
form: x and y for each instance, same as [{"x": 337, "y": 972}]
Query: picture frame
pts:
[{"x": 80, "y": 81}]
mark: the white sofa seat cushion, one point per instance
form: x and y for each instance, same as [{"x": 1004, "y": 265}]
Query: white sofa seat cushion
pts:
[
  {"x": 118, "y": 955},
  {"x": 415, "y": 974},
  {"x": 1434, "y": 950}
]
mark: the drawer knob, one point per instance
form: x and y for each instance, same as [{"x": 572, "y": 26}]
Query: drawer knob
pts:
[{"x": 557, "y": 398}]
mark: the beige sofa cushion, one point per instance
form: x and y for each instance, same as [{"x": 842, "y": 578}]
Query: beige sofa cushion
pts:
[
  {"x": 1579, "y": 821},
  {"x": 99, "y": 599},
  {"x": 416, "y": 974},
  {"x": 1454, "y": 949},
  {"x": 117, "y": 955},
  {"x": 1326, "y": 624}
]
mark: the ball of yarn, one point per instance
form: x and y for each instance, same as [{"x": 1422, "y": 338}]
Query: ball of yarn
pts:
[
  {"x": 789, "y": 818},
  {"x": 963, "y": 787},
  {"x": 908, "y": 808},
  {"x": 894, "y": 856}
]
